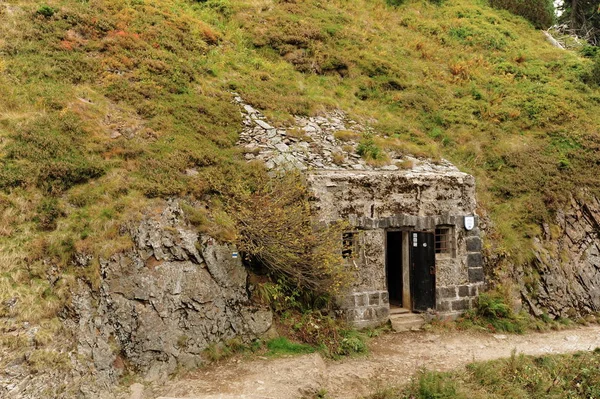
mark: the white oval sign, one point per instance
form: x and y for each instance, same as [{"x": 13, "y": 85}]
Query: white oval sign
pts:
[{"x": 469, "y": 222}]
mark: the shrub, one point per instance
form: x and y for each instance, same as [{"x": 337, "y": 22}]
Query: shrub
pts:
[
  {"x": 494, "y": 314},
  {"x": 276, "y": 232},
  {"x": 492, "y": 306},
  {"x": 46, "y": 11},
  {"x": 539, "y": 12}
]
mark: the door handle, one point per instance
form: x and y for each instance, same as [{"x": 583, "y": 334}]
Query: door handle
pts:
[{"x": 432, "y": 270}]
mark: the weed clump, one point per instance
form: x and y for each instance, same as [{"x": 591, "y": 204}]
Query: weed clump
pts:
[
  {"x": 368, "y": 149},
  {"x": 493, "y": 313}
]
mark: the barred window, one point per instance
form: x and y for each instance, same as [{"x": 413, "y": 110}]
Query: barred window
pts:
[
  {"x": 443, "y": 244},
  {"x": 349, "y": 245}
]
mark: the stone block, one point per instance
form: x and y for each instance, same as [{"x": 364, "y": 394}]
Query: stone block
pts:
[
  {"x": 461, "y": 304},
  {"x": 473, "y": 233},
  {"x": 476, "y": 275},
  {"x": 382, "y": 312},
  {"x": 345, "y": 301},
  {"x": 425, "y": 223},
  {"x": 446, "y": 292},
  {"x": 444, "y": 306},
  {"x": 374, "y": 299},
  {"x": 359, "y": 314},
  {"x": 385, "y": 298},
  {"x": 473, "y": 244},
  {"x": 369, "y": 314},
  {"x": 474, "y": 260},
  {"x": 463, "y": 291},
  {"x": 474, "y": 291},
  {"x": 384, "y": 223},
  {"x": 360, "y": 300}
]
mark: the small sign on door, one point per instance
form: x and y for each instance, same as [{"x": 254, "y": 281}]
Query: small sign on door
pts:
[{"x": 415, "y": 240}]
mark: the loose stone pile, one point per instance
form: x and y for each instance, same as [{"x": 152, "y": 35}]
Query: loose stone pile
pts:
[{"x": 312, "y": 144}]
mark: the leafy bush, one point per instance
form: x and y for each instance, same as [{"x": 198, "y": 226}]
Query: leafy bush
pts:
[{"x": 539, "y": 12}]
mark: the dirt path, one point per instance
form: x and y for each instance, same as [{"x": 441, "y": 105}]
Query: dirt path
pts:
[{"x": 393, "y": 360}]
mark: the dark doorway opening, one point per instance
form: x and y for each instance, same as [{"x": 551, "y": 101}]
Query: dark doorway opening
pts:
[
  {"x": 422, "y": 271},
  {"x": 393, "y": 266}
]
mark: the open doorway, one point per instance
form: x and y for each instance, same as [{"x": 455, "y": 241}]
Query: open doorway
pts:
[{"x": 393, "y": 267}]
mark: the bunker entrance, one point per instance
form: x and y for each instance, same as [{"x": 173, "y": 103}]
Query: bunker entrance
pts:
[{"x": 410, "y": 270}]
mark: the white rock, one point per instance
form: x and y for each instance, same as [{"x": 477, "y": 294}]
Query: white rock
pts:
[
  {"x": 282, "y": 147},
  {"x": 249, "y": 109},
  {"x": 263, "y": 124}
]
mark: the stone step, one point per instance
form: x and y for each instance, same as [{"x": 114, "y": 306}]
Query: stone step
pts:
[{"x": 407, "y": 322}]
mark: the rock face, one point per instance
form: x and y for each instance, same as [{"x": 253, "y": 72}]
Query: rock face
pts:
[
  {"x": 564, "y": 278},
  {"x": 165, "y": 301}
]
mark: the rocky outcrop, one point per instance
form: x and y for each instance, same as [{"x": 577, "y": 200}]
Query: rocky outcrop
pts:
[
  {"x": 564, "y": 278},
  {"x": 164, "y": 302}
]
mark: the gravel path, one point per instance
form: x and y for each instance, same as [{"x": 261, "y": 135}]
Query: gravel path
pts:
[{"x": 394, "y": 358}]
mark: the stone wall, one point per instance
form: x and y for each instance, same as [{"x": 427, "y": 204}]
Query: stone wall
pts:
[
  {"x": 375, "y": 202},
  {"x": 165, "y": 301},
  {"x": 366, "y": 308}
]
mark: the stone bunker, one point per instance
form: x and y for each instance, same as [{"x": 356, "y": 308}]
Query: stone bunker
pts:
[
  {"x": 413, "y": 242},
  {"x": 408, "y": 243}
]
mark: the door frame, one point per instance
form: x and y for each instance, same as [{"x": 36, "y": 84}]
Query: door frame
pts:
[{"x": 406, "y": 260}]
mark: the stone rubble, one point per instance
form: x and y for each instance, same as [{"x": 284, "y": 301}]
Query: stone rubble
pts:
[{"x": 311, "y": 144}]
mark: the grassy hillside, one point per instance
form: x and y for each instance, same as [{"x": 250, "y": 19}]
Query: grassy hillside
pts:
[{"x": 107, "y": 103}]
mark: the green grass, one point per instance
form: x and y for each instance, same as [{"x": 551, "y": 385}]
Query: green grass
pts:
[
  {"x": 282, "y": 346},
  {"x": 105, "y": 105},
  {"x": 525, "y": 377}
]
